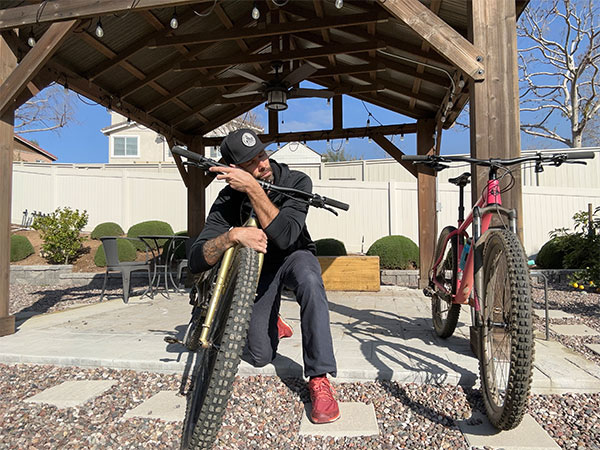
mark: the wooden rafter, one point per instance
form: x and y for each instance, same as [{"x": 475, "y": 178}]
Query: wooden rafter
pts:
[
  {"x": 33, "y": 62},
  {"x": 443, "y": 38},
  {"x": 393, "y": 151},
  {"x": 59, "y": 10}
]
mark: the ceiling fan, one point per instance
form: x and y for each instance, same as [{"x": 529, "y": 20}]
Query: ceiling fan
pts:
[{"x": 277, "y": 90}]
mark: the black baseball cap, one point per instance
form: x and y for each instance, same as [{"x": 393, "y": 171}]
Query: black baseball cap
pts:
[{"x": 241, "y": 146}]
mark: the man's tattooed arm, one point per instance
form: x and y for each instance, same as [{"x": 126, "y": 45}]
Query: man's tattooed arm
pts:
[
  {"x": 214, "y": 249},
  {"x": 251, "y": 237}
]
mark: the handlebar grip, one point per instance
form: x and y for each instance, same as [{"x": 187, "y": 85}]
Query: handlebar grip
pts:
[
  {"x": 336, "y": 204},
  {"x": 415, "y": 158},
  {"x": 580, "y": 155},
  {"x": 179, "y": 150}
]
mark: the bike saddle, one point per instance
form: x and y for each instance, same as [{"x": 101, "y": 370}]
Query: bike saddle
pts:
[{"x": 461, "y": 180}]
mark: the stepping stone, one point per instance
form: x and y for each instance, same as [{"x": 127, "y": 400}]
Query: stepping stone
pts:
[
  {"x": 166, "y": 405},
  {"x": 357, "y": 419},
  {"x": 480, "y": 433},
  {"x": 72, "y": 393},
  {"x": 594, "y": 347},
  {"x": 552, "y": 314},
  {"x": 574, "y": 330}
]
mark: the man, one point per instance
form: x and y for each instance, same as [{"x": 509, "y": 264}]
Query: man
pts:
[{"x": 289, "y": 260}]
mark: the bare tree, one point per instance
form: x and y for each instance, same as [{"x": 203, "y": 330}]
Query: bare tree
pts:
[
  {"x": 333, "y": 155},
  {"x": 559, "y": 67},
  {"x": 51, "y": 109}
]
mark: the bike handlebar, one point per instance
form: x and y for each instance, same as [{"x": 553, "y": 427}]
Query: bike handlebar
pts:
[
  {"x": 312, "y": 199},
  {"x": 435, "y": 161}
]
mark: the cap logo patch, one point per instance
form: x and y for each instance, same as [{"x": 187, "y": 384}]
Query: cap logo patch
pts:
[{"x": 248, "y": 140}]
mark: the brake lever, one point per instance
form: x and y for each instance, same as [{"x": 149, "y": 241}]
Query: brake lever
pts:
[{"x": 331, "y": 210}]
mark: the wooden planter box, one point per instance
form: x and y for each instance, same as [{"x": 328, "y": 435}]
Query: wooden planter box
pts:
[{"x": 350, "y": 273}]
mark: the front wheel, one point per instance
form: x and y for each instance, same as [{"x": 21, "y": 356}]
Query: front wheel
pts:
[
  {"x": 444, "y": 312},
  {"x": 506, "y": 362},
  {"x": 216, "y": 366}
]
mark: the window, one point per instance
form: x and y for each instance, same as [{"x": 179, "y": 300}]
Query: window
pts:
[{"x": 125, "y": 146}]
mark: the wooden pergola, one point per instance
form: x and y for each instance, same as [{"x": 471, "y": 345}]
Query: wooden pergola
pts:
[{"x": 423, "y": 59}]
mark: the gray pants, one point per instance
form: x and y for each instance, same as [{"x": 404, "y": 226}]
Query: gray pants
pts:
[{"x": 301, "y": 273}]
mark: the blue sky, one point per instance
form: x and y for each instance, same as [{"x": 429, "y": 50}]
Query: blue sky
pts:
[{"x": 81, "y": 141}]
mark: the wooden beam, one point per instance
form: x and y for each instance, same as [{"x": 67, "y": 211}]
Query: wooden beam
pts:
[
  {"x": 321, "y": 135},
  {"x": 443, "y": 38},
  {"x": 273, "y": 122},
  {"x": 33, "y": 62},
  {"x": 283, "y": 56},
  {"x": 426, "y": 200},
  {"x": 336, "y": 112},
  {"x": 60, "y": 10},
  {"x": 263, "y": 30},
  {"x": 393, "y": 151},
  {"x": 196, "y": 193},
  {"x": 8, "y": 62}
]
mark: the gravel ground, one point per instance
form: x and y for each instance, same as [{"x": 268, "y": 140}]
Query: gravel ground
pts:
[{"x": 265, "y": 412}]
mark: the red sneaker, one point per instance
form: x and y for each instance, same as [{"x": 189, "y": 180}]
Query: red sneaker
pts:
[
  {"x": 324, "y": 407},
  {"x": 284, "y": 329}
]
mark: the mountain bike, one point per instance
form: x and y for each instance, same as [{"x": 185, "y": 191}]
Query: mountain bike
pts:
[
  {"x": 488, "y": 271},
  {"x": 222, "y": 300}
]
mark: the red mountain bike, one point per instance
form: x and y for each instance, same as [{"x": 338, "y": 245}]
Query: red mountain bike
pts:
[{"x": 489, "y": 272}]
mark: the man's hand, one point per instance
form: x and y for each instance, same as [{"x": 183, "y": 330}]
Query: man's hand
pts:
[
  {"x": 237, "y": 178},
  {"x": 255, "y": 238}
]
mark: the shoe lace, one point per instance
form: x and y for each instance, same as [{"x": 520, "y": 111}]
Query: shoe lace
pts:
[{"x": 321, "y": 388}]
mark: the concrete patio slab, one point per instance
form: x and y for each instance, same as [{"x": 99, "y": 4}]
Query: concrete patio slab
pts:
[
  {"x": 529, "y": 435},
  {"x": 166, "y": 405},
  {"x": 552, "y": 314},
  {"x": 72, "y": 393},
  {"x": 357, "y": 419},
  {"x": 594, "y": 347},
  {"x": 574, "y": 330}
]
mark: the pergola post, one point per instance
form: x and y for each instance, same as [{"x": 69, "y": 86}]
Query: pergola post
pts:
[
  {"x": 196, "y": 191},
  {"x": 494, "y": 113},
  {"x": 427, "y": 198},
  {"x": 8, "y": 62}
]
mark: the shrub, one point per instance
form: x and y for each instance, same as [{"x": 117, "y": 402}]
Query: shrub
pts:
[
  {"x": 61, "y": 233},
  {"x": 149, "y": 227},
  {"x": 125, "y": 249},
  {"x": 180, "y": 249},
  {"x": 330, "y": 247},
  {"x": 20, "y": 247},
  {"x": 551, "y": 254},
  {"x": 395, "y": 252},
  {"x": 107, "y": 229}
]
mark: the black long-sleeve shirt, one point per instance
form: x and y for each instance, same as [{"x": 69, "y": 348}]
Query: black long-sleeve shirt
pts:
[{"x": 286, "y": 233}]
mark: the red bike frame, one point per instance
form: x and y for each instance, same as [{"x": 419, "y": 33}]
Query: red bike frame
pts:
[{"x": 466, "y": 277}]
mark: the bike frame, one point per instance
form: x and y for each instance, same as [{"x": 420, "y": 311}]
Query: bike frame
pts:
[{"x": 480, "y": 217}]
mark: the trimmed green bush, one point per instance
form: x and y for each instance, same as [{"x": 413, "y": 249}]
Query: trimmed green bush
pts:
[
  {"x": 395, "y": 252},
  {"x": 125, "y": 249},
  {"x": 180, "y": 251},
  {"x": 551, "y": 254},
  {"x": 330, "y": 247},
  {"x": 155, "y": 227},
  {"x": 20, "y": 247},
  {"x": 107, "y": 229}
]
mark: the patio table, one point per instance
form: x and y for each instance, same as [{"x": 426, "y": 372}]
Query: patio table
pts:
[{"x": 162, "y": 257}]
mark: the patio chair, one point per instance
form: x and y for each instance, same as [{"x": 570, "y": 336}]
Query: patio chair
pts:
[
  {"x": 114, "y": 265},
  {"x": 183, "y": 263}
]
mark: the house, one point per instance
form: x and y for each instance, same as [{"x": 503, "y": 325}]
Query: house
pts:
[
  {"x": 130, "y": 142},
  {"x": 25, "y": 150},
  {"x": 296, "y": 153}
]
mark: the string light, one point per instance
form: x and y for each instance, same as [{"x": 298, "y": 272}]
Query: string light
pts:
[
  {"x": 255, "y": 12},
  {"x": 31, "y": 39},
  {"x": 339, "y": 4},
  {"x": 174, "y": 23},
  {"x": 328, "y": 101},
  {"x": 402, "y": 137},
  {"x": 99, "y": 29}
]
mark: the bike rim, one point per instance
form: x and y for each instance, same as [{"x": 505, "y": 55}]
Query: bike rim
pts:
[{"x": 496, "y": 330}]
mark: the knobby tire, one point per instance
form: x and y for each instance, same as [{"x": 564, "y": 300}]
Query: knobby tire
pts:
[
  {"x": 216, "y": 366},
  {"x": 444, "y": 312},
  {"x": 506, "y": 362}
]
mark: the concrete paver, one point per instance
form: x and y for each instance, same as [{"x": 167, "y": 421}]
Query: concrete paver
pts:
[
  {"x": 574, "y": 330},
  {"x": 552, "y": 314},
  {"x": 356, "y": 419},
  {"x": 166, "y": 405},
  {"x": 72, "y": 393},
  {"x": 529, "y": 435},
  {"x": 594, "y": 347}
]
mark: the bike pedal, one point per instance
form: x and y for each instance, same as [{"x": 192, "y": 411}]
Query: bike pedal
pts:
[{"x": 172, "y": 340}]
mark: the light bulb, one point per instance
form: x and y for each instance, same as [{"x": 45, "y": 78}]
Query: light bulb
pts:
[
  {"x": 255, "y": 13},
  {"x": 174, "y": 23},
  {"x": 31, "y": 40},
  {"x": 402, "y": 137},
  {"x": 328, "y": 101},
  {"x": 339, "y": 4},
  {"x": 99, "y": 29}
]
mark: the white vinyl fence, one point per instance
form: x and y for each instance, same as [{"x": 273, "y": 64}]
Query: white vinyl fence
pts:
[{"x": 129, "y": 195}]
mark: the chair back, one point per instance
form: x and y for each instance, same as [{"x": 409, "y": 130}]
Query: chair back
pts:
[{"x": 110, "y": 250}]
